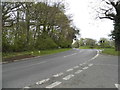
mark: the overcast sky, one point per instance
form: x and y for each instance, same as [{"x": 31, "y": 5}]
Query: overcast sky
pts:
[{"x": 84, "y": 18}]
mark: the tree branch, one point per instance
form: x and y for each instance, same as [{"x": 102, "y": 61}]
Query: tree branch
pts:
[{"x": 106, "y": 17}]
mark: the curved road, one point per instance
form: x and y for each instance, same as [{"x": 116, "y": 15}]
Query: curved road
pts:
[{"x": 26, "y": 73}]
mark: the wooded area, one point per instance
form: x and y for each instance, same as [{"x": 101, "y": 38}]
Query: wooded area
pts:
[{"x": 36, "y": 26}]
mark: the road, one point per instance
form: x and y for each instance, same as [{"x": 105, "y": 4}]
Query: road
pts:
[{"x": 77, "y": 68}]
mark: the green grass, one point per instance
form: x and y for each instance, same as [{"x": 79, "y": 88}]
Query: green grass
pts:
[
  {"x": 34, "y": 53},
  {"x": 111, "y": 51},
  {"x": 87, "y": 47},
  {"x": 84, "y": 47},
  {"x": 0, "y": 57}
]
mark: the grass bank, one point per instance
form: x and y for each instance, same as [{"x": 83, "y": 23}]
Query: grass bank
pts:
[
  {"x": 85, "y": 47},
  {"x": 109, "y": 51},
  {"x": 0, "y": 57},
  {"x": 28, "y": 54}
]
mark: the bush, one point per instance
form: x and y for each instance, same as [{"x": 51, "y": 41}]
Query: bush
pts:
[{"x": 45, "y": 42}]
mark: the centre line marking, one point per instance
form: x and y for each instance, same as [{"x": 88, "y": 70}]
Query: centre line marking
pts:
[
  {"x": 76, "y": 67},
  {"x": 78, "y": 71},
  {"x": 26, "y": 87},
  {"x": 69, "y": 70},
  {"x": 85, "y": 68},
  {"x": 42, "y": 81},
  {"x": 54, "y": 84},
  {"x": 74, "y": 53},
  {"x": 70, "y": 55},
  {"x": 90, "y": 65},
  {"x": 57, "y": 75},
  {"x": 68, "y": 77}
]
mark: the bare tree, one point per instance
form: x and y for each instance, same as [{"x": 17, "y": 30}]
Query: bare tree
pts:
[{"x": 111, "y": 10}]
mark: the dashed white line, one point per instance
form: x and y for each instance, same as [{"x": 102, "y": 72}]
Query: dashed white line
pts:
[
  {"x": 85, "y": 68},
  {"x": 90, "y": 65},
  {"x": 42, "y": 81},
  {"x": 67, "y": 55},
  {"x": 74, "y": 53},
  {"x": 117, "y": 85},
  {"x": 68, "y": 77},
  {"x": 54, "y": 84},
  {"x": 26, "y": 87},
  {"x": 79, "y": 71},
  {"x": 70, "y": 55},
  {"x": 76, "y": 67},
  {"x": 69, "y": 70},
  {"x": 57, "y": 75}
]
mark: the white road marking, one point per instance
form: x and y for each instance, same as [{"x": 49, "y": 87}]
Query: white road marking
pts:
[
  {"x": 117, "y": 85},
  {"x": 79, "y": 71},
  {"x": 67, "y": 55},
  {"x": 42, "y": 81},
  {"x": 54, "y": 84},
  {"x": 95, "y": 56},
  {"x": 74, "y": 53},
  {"x": 57, "y": 75},
  {"x": 90, "y": 65},
  {"x": 76, "y": 67},
  {"x": 68, "y": 77},
  {"x": 85, "y": 68},
  {"x": 26, "y": 87},
  {"x": 70, "y": 55},
  {"x": 69, "y": 70}
]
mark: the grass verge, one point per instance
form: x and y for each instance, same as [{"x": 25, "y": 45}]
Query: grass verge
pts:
[
  {"x": 0, "y": 57},
  {"x": 85, "y": 47},
  {"x": 111, "y": 51},
  {"x": 28, "y": 54}
]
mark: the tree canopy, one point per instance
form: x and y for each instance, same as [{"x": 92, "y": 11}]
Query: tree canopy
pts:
[{"x": 35, "y": 25}]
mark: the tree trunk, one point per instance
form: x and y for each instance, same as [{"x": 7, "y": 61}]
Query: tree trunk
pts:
[
  {"x": 117, "y": 45},
  {"x": 27, "y": 25},
  {"x": 117, "y": 32}
]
